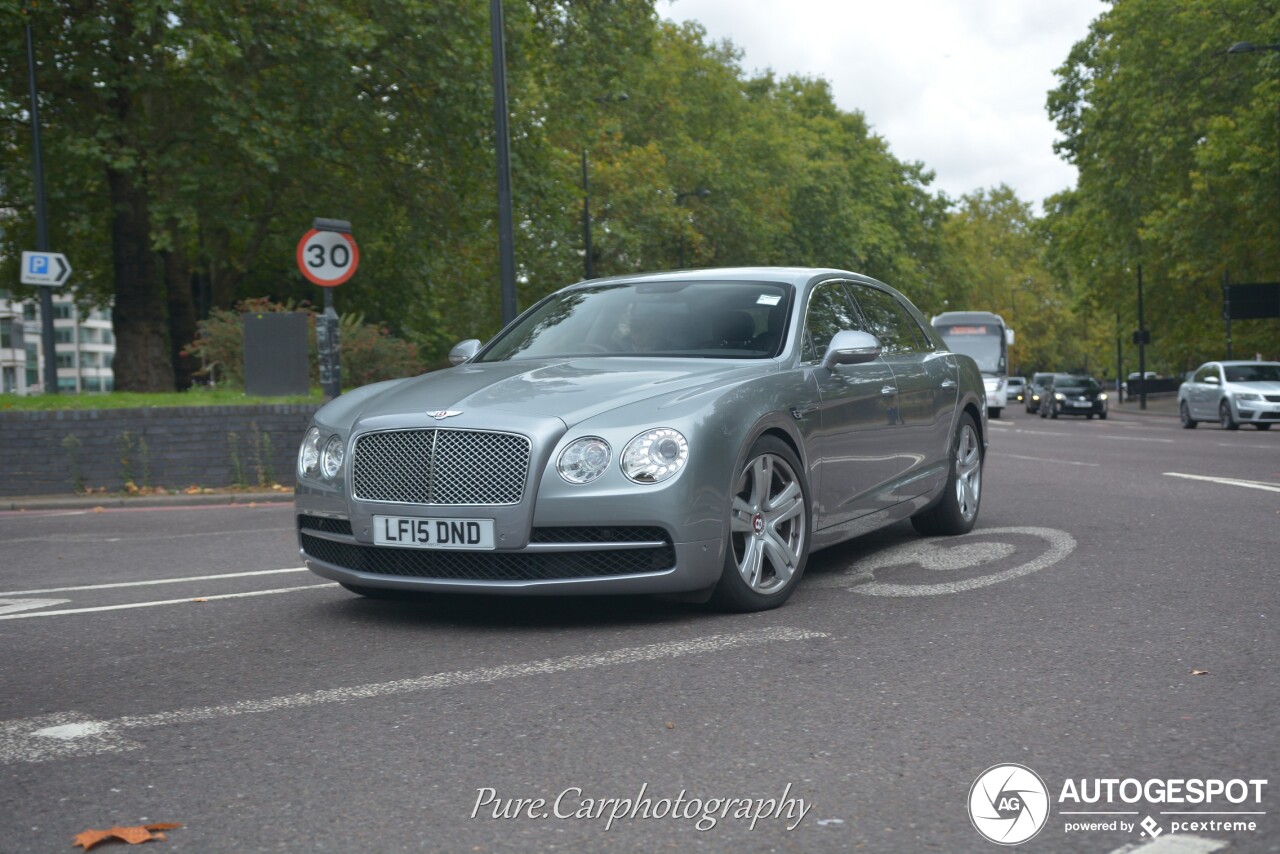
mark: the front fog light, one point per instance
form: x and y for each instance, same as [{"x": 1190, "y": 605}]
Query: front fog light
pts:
[
  {"x": 584, "y": 460},
  {"x": 654, "y": 456},
  {"x": 309, "y": 453},
  {"x": 331, "y": 459}
]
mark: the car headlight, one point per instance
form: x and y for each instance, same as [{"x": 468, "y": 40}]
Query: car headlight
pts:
[
  {"x": 1035, "y": 397},
  {"x": 1102, "y": 396},
  {"x": 1247, "y": 395},
  {"x": 1057, "y": 395},
  {"x": 654, "y": 456},
  {"x": 584, "y": 460},
  {"x": 331, "y": 459},
  {"x": 309, "y": 453}
]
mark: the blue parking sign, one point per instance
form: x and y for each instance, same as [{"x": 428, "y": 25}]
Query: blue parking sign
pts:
[{"x": 45, "y": 268}]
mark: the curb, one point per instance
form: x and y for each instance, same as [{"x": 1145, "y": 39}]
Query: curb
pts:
[{"x": 89, "y": 502}]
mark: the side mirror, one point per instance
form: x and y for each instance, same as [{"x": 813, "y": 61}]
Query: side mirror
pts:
[
  {"x": 1008, "y": 337},
  {"x": 1212, "y": 380},
  {"x": 849, "y": 347},
  {"x": 463, "y": 351}
]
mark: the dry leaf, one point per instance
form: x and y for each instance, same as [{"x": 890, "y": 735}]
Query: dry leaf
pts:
[
  {"x": 199, "y": 600},
  {"x": 671, "y": 724},
  {"x": 133, "y": 835},
  {"x": 1195, "y": 672},
  {"x": 99, "y": 509}
]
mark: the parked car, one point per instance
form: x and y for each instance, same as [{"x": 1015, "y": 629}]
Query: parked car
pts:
[
  {"x": 778, "y": 411},
  {"x": 1036, "y": 390},
  {"x": 1073, "y": 394},
  {"x": 1231, "y": 393},
  {"x": 1017, "y": 390}
]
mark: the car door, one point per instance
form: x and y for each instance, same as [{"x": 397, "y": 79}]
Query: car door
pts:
[
  {"x": 852, "y": 450},
  {"x": 927, "y": 390},
  {"x": 1203, "y": 395}
]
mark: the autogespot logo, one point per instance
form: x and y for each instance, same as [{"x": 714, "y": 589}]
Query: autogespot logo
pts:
[{"x": 1008, "y": 804}]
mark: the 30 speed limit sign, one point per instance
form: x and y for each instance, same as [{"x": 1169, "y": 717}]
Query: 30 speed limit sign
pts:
[{"x": 327, "y": 258}]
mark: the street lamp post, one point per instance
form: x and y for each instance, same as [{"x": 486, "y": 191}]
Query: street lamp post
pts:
[{"x": 700, "y": 193}]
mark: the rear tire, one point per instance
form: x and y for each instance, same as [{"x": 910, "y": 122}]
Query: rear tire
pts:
[
  {"x": 1184, "y": 415},
  {"x": 768, "y": 542},
  {"x": 956, "y": 510},
  {"x": 1262, "y": 425}
]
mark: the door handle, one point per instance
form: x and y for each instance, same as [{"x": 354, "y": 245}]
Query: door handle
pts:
[
  {"x": 888, "y": 390},
  {"x": 948, "y": 383}
]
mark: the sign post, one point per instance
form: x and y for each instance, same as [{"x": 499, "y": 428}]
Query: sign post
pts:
[{"x": 328, "y": 256}]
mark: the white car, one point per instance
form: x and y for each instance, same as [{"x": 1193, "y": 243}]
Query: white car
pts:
[{"x": 1231, "y": 393}]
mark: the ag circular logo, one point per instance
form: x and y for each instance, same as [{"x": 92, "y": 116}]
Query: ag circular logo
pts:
[{"x": 1008, "y": 804}]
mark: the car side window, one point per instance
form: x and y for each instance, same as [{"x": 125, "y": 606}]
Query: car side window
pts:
[
  {"x": 889, "y": 321},
  {"x": 830, "y": 311},
  {"x": 1204, "y": 373}
]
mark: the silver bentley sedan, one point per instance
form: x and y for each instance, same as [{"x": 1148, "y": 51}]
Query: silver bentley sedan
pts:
[{"x": 695, "y": 433}]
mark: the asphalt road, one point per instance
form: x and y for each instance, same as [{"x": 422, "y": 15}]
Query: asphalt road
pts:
[{"x": 1112, "y": 618}]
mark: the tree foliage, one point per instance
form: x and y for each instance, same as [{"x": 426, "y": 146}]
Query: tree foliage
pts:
[
  {"x": 188, "y": 146},
  {"x": 1177, "y": 144}
]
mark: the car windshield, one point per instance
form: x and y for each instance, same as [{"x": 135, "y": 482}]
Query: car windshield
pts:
[
  {"x": 1252, "y": 373},
  {"x": 1075, "y": 384},
  {"x": 727, "y": 320}
]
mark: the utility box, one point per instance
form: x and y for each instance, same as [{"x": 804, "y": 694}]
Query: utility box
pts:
[{"x": 275, "y": 354}]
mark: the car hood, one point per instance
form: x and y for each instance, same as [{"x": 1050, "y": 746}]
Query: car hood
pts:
[
  {"x": 571, "y": 390},
  {"x": 1265, "y": 387}
]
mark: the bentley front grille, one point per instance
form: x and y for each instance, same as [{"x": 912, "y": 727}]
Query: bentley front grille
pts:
[{"x": 441, "y": 466}]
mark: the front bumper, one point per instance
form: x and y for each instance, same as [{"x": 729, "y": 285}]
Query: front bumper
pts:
[
  {"x": 559, "y": 560},
  {"x": 1257, "y": 411}
]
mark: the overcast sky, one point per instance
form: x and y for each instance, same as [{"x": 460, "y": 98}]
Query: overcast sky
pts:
[{"x": 959, "y": 85}]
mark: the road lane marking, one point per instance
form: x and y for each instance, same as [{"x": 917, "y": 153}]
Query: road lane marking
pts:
[
  {"x": 73, "y": 734},
  {"x": 948, "y": 554},
  {"x": 1227, "y": 481},
  {"x": 1179, "y": 844},
  {"x": 1136, "y": 439},
  {"x": 153, "y": 581},
  {"x": 1001, "y": 455},
  {"x": 185, "y": 601},
  {"x": 13, "y": 606},
  {"x": 240, "y": 505}
]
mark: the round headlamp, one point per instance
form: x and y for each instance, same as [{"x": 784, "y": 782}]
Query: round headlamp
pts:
[
  {"x": 583, "y": 460},
  {"x": 654, "y": 456}
]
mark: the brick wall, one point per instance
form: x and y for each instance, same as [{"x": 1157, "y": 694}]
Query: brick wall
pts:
[{"x": 45, "y": 453}]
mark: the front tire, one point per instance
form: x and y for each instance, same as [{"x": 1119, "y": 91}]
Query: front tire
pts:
[
  {"x": 956, "y": 510},
  {"x": 1053, "y": 411},
  {"x": 1184, "y": 415},
  {"x": 1225, "y": 418},
  {"x": 1262, "y": 425},
  {"x": 768, "y": 542}
]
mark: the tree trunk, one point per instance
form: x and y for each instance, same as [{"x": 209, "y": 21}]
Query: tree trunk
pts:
[
  {"x": 140, "y": 317},
  {"x": 178, "y": 282}
]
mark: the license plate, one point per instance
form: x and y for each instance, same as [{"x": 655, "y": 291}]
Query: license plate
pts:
[{"x": 418, "y": 532}]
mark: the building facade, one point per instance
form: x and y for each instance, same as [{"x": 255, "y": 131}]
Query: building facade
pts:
[{"x": 84, "y": 343}]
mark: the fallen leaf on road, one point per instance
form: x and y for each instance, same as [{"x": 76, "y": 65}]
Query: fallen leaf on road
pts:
[
  {"x": 1195, "y": 672},
  {"x": 133, "y": 835},
  {"x": 199, "y": 600}
]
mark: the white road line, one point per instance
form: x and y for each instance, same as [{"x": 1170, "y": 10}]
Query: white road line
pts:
[
  {"x": 1173, "y": 844},
  {"x": 1000, "y": 455},
  {"x": 1135, "y": 439},
  {"x": 189, "y": 600},
  {"x": 153, "y": 581},
  {"x": 67, "y": 734},
  {"x": 1227, "y": 481}
]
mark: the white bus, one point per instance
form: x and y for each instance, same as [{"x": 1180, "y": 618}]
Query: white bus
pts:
[{"x": 986, "y": 338}]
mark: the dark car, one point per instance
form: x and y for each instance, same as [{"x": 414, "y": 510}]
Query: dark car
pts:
[
  {"x": 1036, "y": 390},
  {"x": 1072, "y": 394},
  {"x": 694, "y": 432}
]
